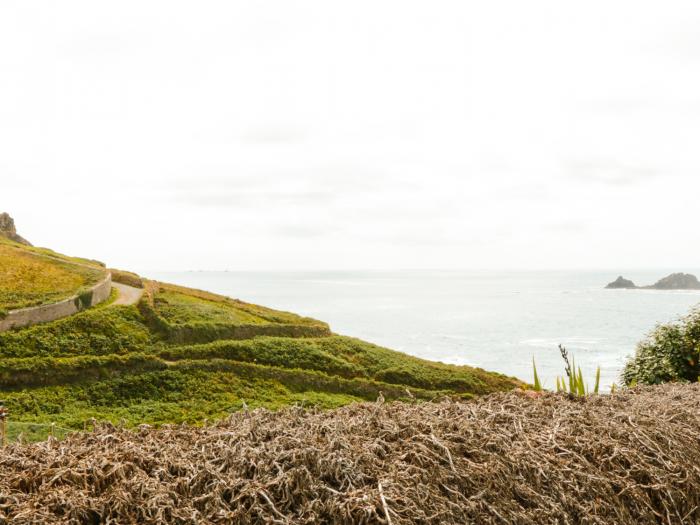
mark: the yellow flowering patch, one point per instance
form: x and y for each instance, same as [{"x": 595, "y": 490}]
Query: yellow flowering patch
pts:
[{"x": 30, "y": 279}]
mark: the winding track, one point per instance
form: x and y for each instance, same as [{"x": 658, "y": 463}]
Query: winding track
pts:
[{"x": 127, "y": 294}]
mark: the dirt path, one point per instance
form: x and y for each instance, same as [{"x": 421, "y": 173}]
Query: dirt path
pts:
[{"x": 127, "y": 294}]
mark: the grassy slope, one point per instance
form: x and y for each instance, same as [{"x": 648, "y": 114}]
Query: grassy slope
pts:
[
  {"x": 181, "y": 306},
  {"x": 33, "y": 276},
  {"x": 187, "y": 355}
]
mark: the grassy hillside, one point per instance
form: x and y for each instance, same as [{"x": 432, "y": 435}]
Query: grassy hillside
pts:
[
  {"x": 33, "y": 276},
  {"x": 183, "y": 355}
]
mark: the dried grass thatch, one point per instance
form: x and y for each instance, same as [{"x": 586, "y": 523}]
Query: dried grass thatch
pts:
[{"x": 633, "y": 457}]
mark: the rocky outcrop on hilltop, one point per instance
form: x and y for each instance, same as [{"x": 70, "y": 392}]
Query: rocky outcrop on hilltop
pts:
[
  {"x": 7, "y": 228},
  {"x": 621, "y": 282},
  {"x": 677, "y": 281}
]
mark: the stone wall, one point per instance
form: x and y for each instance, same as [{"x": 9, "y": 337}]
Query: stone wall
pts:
[{"x": 51, "y": 312}]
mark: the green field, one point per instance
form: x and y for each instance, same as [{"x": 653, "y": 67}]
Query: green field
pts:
[{"x": 184, "y": 355}]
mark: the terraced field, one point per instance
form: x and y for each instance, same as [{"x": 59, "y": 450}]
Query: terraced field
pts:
[{"x": 183, "y": 355}]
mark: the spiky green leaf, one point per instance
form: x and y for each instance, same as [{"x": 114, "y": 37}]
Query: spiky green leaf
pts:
[{"x": 537, "y": 384}]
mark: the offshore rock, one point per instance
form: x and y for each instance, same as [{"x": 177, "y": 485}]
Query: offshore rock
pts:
[
  {"x": 621, "y": 282},
  {"x": 677, "y": 281}
]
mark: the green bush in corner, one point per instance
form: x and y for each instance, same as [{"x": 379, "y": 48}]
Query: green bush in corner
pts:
[
  {"x": 83, "y": 301},
  {"x": 670, "y": 353}
]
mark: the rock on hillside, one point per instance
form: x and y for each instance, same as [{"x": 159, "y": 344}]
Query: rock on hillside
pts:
[
  {"x": 7, "y": 228},
  {"x": 677, "y": 281},
  {"x": 621, "y": 282}
]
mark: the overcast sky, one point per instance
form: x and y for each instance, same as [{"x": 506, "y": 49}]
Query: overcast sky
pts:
[{"x": 382, "y": 134}]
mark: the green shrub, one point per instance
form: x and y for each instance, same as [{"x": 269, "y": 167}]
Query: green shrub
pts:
[
  {"x": 670, "y": 353},
  {"x": 83, "y": 300}
]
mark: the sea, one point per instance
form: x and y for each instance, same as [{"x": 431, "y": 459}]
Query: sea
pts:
[{"x": 498, "y": 321}]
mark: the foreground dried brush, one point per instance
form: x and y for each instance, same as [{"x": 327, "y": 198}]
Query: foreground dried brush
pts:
[{"x": 629, "y": 458}]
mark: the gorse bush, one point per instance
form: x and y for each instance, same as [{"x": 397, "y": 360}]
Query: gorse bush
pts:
[{"x": 670, "y": 353}]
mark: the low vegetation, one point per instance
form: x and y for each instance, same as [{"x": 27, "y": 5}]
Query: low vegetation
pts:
[
  {"x": 184, "y": 355},
  {"x": 348, "y": 357},
  {"x": 107, "y": 364},
  {"x": 627, "y": 458},
  {"x": 187, "y": 392}
]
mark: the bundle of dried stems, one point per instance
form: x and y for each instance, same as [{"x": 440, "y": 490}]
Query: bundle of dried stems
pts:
[{"x": 633, "y": 457}]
